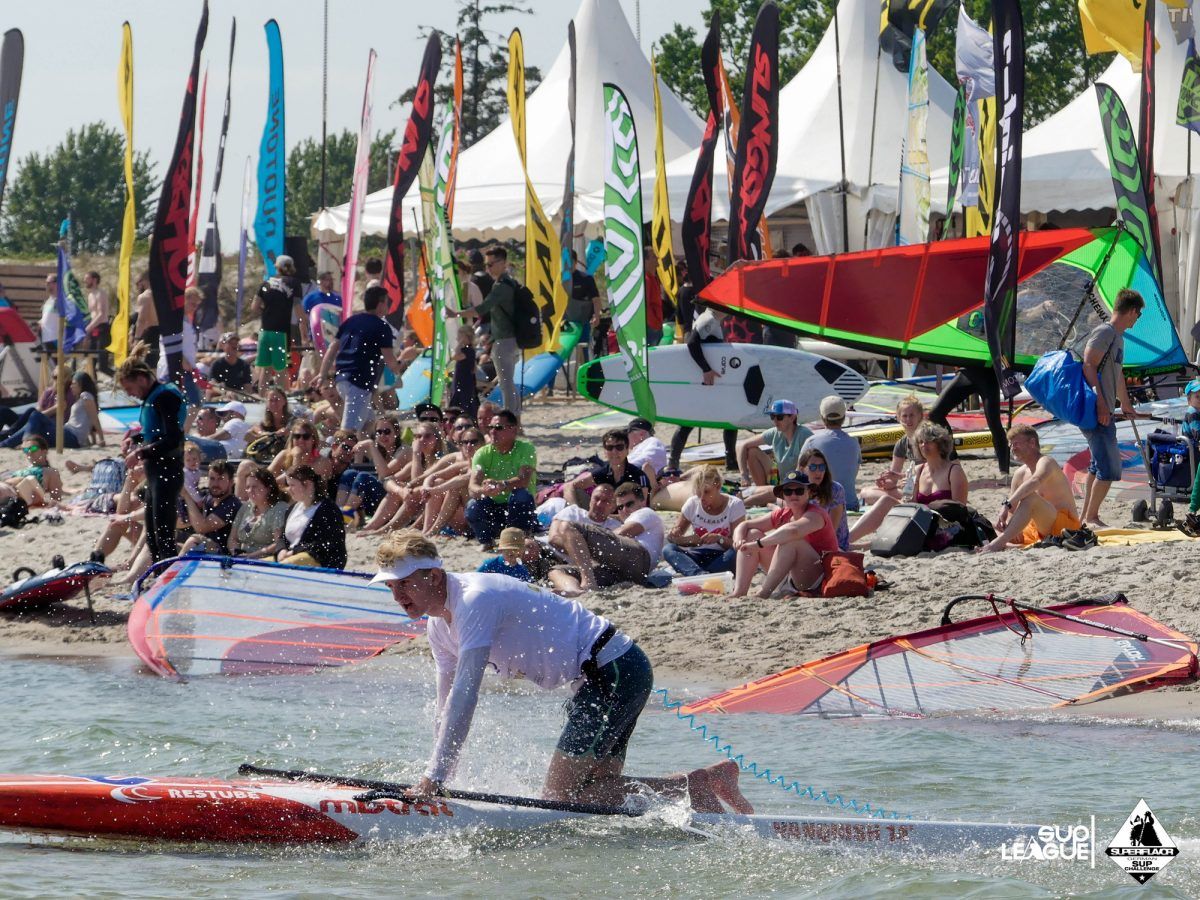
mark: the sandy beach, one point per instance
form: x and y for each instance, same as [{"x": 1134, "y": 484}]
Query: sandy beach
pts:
[{"x": 720, "y": 640}]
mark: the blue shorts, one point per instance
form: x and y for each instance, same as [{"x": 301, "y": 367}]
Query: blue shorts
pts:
[
  {"x": 1106, "y": 455},
  {"x": 603, "y": 713}
]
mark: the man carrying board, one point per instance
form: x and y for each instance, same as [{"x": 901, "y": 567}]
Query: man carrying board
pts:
[{"x": 478, "y": 620}]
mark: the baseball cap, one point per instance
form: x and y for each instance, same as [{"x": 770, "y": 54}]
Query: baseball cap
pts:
[
  {"x": 233, "y": 406},
  {"x": 640, "y": 424},
  {"x": 783, "y": 408},
  {"x": 1192, "y": 387},
  {"x": 833, "y": 408},
  {"x": 791, "y": 478},
  {"x": 422, "y": 408}
]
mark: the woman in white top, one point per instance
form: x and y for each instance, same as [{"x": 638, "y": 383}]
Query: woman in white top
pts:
[
  {"x": 711, "y": 516},
  {"x": 477, "y": 620}
]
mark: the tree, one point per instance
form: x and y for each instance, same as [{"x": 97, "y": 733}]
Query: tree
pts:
[
  {"x": 83, "y": 177},
  {"x": 801, "y": 24},
  {"x": 485, "y": 68},
  {"x": 303, "y": 189}
]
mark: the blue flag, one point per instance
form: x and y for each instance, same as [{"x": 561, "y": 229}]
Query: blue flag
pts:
[
  {"x": 272, "y": 159},
  {"x": 65, "y": 306}
]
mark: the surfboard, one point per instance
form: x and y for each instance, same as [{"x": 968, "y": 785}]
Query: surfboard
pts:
[
  {"x": 537, "y": 372},
  {"x": 324, "y": 320},
  {"x": 750, "y": 378},
  {"x": 414, "y": 386}
]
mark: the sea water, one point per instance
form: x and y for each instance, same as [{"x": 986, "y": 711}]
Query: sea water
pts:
[{"x": 374, "y": 720}]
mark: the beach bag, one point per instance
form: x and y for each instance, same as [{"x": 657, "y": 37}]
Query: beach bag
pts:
[
  {"x": 13, "y": 512},
  {"x": 904, "y": 530},
  {"x": 527, "y": 319},
  {"x": 1057, "y": 383},
  {"x": 844, "y": 575},
  {"x": 974, "y": 530}
]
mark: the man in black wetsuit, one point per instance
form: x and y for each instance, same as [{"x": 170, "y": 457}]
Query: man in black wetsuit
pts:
[
  {"x": 979, "y": 380},
  {"x": 162, "y": 416}
]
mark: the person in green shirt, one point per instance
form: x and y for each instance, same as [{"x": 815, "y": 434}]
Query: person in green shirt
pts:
[{"x": 503, "y": 475}]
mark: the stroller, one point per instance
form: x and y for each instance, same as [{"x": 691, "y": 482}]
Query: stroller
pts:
[{"x": 1171, "y": 466}]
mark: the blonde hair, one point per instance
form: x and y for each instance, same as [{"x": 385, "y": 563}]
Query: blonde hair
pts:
[
  {"x": 703, "y": 475},
  {"x": 911, "y": 400},
  {"x": 190, "y": 447},
  {"x": 404, "y": 544},
  {"x": 134, "y": 367}
]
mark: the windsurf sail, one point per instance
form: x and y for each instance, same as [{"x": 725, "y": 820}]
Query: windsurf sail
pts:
[
  {"x": 206, "y": 615},
  {"x": 925, "y": 300},
  {"x": 1021, "y": 658}
]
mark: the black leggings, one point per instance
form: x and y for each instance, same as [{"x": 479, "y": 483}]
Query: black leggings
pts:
[
  {"x": 164, "y": 480},
  {"x": 982, "y": 382},
  {"x": 679, "y": 441}
]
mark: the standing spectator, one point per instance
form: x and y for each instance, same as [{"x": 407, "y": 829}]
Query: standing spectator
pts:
[
  {"x": 322, "y": 293},
  {"x": 278, "y": 299},
  {"x": 162, "y": 416},
  {"x": 230, "y": 371},
  {"x": 478, "y": 287},
  {"x": 708, "y": 328},
  {"x": 362, "y": 348},
  {"x": 463, "y": 393},
  {"x": 583, "y": 309},
  {"x": 98, "y": 328},
  {"x": 373, "y": 268},
  {"x": 48, "y": 323},
  {"x": 654, "y": 299},
  {"x": 712, "y": 517},
  {"x": 843, "y": 451},
  {"x": 145, "y": 326},
  {"x": 1103, "y": 356},
  {"x": 503, "y": 474},
  {"x": 500, "y": 305}
]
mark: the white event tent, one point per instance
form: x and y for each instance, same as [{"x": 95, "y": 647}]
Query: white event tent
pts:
[{"x": 490, "y": 193}]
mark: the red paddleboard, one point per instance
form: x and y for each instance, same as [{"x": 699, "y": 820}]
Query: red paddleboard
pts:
[{"x": 54, "y": 586}]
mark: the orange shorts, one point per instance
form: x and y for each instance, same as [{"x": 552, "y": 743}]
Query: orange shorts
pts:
[{"x": 1064, "y": 519}]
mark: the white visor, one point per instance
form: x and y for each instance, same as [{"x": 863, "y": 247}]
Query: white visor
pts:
[{"x": 405, "y": 567}]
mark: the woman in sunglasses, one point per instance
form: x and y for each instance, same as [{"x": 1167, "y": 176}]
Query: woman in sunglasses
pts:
[
  {"x": 404, "y": 490},
  {"x": 785, "y": 437},
  {"x": 615, "y": 471},
  {"x": 388, "y": 454},
  {"x": 446, "y": 486},
  {"x": 826, "y": 493},
  {"x": 787, "y": 543},
  {"x": 303, "y": 448}
]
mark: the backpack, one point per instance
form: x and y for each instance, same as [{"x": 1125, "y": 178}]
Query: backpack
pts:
[
  {"x": 13, "y": 512},
  {"x": 904, "y": 530},
  {"x": 526, "y": 319}
]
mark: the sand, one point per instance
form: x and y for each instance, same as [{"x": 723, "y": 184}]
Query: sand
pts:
[{"x": 715, "y": 640}]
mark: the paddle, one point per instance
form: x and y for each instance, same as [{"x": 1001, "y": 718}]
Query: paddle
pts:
[{"x": 389, "y": 788}]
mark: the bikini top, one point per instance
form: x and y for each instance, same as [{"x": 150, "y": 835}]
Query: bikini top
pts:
[{"x": 933, "y": 496}]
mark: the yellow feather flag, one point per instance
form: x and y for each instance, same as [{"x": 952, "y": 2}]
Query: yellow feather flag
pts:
[
  {"x": 543, "y": 255},
  {"x": 660, "y": 229},
  {"x": 979, "y": 217},
  {"x": 1110, "y": 25},
  {"x": 119, "y": 344}
]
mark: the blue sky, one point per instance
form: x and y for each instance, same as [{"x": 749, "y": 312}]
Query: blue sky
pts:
[{"x": 72, "y": 49}]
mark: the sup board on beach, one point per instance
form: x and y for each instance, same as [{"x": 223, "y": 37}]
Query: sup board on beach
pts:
[{"x": 270, "y": 811}]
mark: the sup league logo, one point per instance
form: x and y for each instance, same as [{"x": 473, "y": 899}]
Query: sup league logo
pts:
[
  {"x": 1054, "y": 842},
  {"x": 1142, "y": 847}
]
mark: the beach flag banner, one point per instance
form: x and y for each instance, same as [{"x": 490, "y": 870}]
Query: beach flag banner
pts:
[
  {"x": 1000, "y": 292},
  {"x": 169, "y": 250},
  {"x": 625, "y": 260},
  {"x": 979, "y": 215},
  {"x": 1110, "y": 25},
  {"x": 566, "y": 227},
  {"x": 977, "y": 75},
  {"x": 210, "y": 253},
  {"x": 542, "y": 251},
  {"x": 957, "y": 135},
  {"x": 243, "y": 244},
  {"x": 757, "y": 142},
  {"x": 912, "y": 213},
  {"x": 660, "y": 225},
  {"x": 12, "y": 61},
  {"x": 899, "y": 21},
  {"x": 1187, "y": 113},
  {"x": 696, "y": 227},
  {"x": 1126, "y": 171},
  {"x": 194, "y": 218},
  {"x": 72, "y": 316},
  {"x": 731, "y": 123},
  {"x": 119, "y": 344},
  {"x": 1146, "y": 132},
  {"x": 269, "y": 221},
  {"x": 452, "y": 169},
  {"x": 447, "y": 301},
  {"x": 412, "y": 153},
  {"x": 420, "y": 311},
  {"x": 358, "y": 193},
  {"x": 431, "y": 305}
]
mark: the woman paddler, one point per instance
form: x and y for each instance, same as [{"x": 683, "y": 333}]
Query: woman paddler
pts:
[{"x": 478, "y": 619}]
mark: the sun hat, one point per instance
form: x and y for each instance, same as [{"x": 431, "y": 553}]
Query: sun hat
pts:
[{"x": 511, "y": 539}]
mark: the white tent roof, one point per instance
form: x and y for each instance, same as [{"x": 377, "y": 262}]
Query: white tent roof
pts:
[
  {"x": 809, "y": 144},
  {"x": 1064, "y": 158},
  {"x": 490, "y": 194}
]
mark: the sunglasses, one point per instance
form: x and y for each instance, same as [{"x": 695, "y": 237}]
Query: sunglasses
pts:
[
  {"x": 816, "y": 467},
  {"x": 615, "y": 447},
  {"x": 471, "y": 442},
  {"x": 29, "y": 449},
  {"x": 497, "y": 427},
  {"x": 303, "y": 436},
  {"x": 793, "y": 491},
  {"x": 346, "y": 446},
  {"x": 379, "y": 431}
]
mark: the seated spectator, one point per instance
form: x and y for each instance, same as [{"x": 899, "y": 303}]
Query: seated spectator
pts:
[
  {"x": 826, "y": 493},
  {"x": 503, "y": 475},
  {"x": 37, "y": 483},
  {"x": 303, "y": 448},
  {"x": 229, "y": 371},
  {"x": 615, "y": 472},
  {"x": 711, "y": 516},
  {"x": 446, "y": 485},
  {"x": 786, "y": 436},
  {"x": 600, "y": 556},
  {"x": 512, "y": 549},
  {"x": 1040, "y": 502},
  {"x": 192, "y": 473},
  {"x": 277, "y": 417},
  {"x": 388, "y": 455},
  {"x": 842, "y": 451},
  {"x": 258, "y": 528},
  {"x": 314, "y": 532},
  {"x": 211, "y": 517},
  {"x": 646, "y": 452},
  {"x": 221, "y": 432},
  {"x": 786, "y": 543},
  {"x": 81, "y": 426},
  {"x": 127, "y": 520},
  {"x": 404, "y": 492},
  {"x": 327, "y": 412},
  {"x": 671, "y": 490},
  {"x": 599, "y": 510},
  {"x": 896, "y": 484},
  {"x": 11, "y": 422}
]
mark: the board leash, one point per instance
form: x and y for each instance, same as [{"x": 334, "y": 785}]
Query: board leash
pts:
[{"x": 807, "y": 792}]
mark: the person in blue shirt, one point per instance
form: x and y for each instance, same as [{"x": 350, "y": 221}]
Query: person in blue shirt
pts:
[
  {"x": 322, "y": 293},
  {"x": 511, "y": 546}
]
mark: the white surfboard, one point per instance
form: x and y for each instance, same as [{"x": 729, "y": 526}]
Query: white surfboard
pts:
[{"x": 751, "y": 378}]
